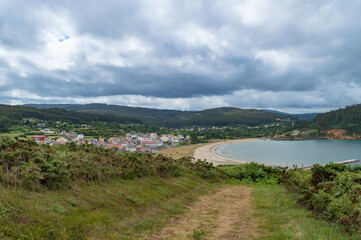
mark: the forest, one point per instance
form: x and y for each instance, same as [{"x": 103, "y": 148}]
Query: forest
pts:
[{"x": 10, "y": 115}]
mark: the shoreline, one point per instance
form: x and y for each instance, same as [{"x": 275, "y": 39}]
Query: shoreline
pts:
[{"x": 207, "y": 152}]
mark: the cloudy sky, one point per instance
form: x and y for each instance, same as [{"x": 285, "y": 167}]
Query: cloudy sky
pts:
[{"x": 295, "y": 56}]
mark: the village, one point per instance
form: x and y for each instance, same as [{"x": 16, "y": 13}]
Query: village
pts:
[{"x": 132, "y": 142}]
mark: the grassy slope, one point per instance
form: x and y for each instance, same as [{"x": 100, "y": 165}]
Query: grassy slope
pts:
[
  {"x": 132, "y": 209},
  {"x": 118, "y": 209},
  {"x": 281, "y": 218}
]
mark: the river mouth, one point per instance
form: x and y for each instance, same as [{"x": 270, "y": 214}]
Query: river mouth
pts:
[{"x": 292, "y": 153}]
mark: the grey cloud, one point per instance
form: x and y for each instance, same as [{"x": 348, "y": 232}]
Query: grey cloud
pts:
[{"x": 187, "y": 50}]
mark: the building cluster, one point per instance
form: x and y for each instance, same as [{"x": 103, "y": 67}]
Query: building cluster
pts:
[
  {"x": 132, "y": 142},
  {"x": 301, "y": 132}
]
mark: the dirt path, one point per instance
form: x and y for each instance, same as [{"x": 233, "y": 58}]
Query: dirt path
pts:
[{"x": 227, "y": 214}]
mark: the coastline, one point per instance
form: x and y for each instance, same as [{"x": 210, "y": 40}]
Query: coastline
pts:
[{"x": 207, "y": 153}]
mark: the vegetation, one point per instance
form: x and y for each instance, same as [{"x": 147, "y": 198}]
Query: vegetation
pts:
[
  {"x": 252, "y": 173},
  {"x": 333, "y": 191},
  {"x": 85, "y": 191},
  {"x": 112, "y": 209},
  {"x": 225, "y": 116},
  {"x": 342, "y": 116},
  {"x": 201, "y": 136},
  {"x": 347, "y": 118},
  {"x": 27, "y": 164},
  {"x": 175, "y": 119},
  {"x": 81, "y": 191},
  {"x": 10, "y": 115},
  {"x": 280, "y": 217}
]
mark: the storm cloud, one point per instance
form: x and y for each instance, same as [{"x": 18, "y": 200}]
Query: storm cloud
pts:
[{"x": 288, "y": 55}]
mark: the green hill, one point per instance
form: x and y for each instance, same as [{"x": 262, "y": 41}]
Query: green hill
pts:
[
  {"x": 348, "y": 118},
  {"x": 146, "y": 114},
  {"x": 224, "y": 116},
  {"x": 10, "y": 114},
  {"x": 174, "y": 118}
]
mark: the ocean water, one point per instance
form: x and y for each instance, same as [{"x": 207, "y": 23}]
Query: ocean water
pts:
[{"x": 289, "y": 153}]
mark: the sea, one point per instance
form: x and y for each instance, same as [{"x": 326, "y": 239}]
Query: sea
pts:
[{"x": 290, "y": 153}]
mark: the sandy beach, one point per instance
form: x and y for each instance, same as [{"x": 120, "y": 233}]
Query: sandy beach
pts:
[{"x": 207, "y": 152}]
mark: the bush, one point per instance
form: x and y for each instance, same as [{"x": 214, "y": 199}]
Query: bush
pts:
[
  {"x": 30, "y": 165},
  {"x": 333, "y": 191},
  {"x": 252, "y": 173}
]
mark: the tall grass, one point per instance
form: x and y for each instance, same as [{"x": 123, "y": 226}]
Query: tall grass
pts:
[
  {"x": 281, "y": 218},
  {"x": 112, "y": 209}
]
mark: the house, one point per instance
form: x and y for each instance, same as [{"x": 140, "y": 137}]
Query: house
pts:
[
  {"x": 175, "y": 139},
  {"x": 40, "y": 138},
  {"x": 92, "y": 140},
  {"x": 62, "y": 140},
  {"x": 181, "y": 138},
  {"x": 166, "y": 138},
  {"x": 152, "y": 144},
  {"x": 145, "y": 150},
  {"x": 120, "y": 147},
  {"x": 71, "y": 136},
  {"x": 130, "y": 148},
  {"x": 45, "y": 130},
  {"x": 295, "y": 133},
  {"x": 80, "y": 136},
  {"x": 133, "y": 135},
  {"x": 154, "y": 135},
  {"x": 40, "y": 125}
]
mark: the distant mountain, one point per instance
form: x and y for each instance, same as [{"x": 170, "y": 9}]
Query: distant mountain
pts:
[
  {"x": 10, "y": 114},
  {"x": 300, "y": 116},
  {"x": 174, "y": 118}
]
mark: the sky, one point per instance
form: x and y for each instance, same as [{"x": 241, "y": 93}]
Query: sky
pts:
[{"x": 288, "y": 55}]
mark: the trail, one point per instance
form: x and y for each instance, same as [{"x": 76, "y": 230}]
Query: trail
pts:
[{"x": 226, "y": 214}]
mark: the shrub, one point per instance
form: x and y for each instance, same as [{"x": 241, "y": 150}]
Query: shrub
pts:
[
  {"x": 333, "y": 191},
  {"x": 252, "y": 173},
  {"x": 28, "y": 164}
]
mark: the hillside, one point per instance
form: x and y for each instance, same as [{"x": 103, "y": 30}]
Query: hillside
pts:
[
  {"x": 348, "y": 118},
  {"x": 173, "y": 118},
  {"x": 10, "y": 114},
  {"x": 146, "y": 114},
  {"x": 225, "y": 116}
]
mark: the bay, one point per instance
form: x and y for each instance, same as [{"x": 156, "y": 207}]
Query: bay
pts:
[{"x": 289, "y": 153}]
